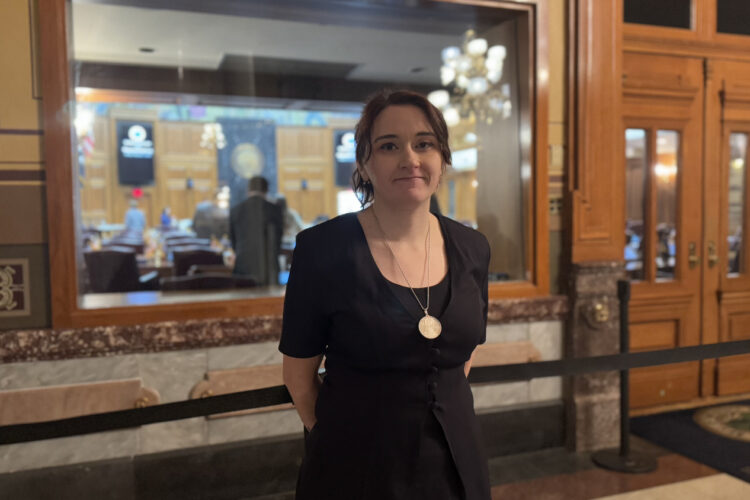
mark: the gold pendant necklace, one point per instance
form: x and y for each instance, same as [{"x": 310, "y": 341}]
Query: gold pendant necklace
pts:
[{"x": 429, "y": 326}]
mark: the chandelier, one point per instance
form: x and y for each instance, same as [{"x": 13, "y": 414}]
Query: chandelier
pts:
[
  {"x": 472, "y": 74},
  {"x": 213, "y": 136}
]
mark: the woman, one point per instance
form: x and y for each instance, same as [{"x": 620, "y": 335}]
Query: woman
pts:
[{"x": 396, "y": 299}]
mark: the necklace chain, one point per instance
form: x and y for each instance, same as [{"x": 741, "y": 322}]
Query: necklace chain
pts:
[{"x": 426, "y": 307}]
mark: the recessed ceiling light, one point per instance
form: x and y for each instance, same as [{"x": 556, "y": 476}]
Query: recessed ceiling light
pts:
[{"x": 147, "y": 50}]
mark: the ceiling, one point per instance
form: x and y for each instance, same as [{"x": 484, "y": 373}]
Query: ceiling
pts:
[{"x": 394, "y": 41}]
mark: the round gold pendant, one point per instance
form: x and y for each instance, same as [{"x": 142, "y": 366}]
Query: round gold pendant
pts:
[{"x": 430, "y": 327}]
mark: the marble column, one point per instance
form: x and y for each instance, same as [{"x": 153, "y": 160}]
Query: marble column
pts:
[{"x": 593, "y": 400}]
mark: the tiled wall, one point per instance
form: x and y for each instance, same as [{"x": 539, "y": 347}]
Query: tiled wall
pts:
[{"x": 173, "y": 375}]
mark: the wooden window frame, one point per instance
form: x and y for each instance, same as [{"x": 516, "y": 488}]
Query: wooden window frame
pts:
[{"x": 58, "y": 103}]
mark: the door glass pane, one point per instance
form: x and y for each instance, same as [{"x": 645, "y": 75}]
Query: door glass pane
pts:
[
  {"x": 636, "y": 157},
  {"x": 669, "y": 13},
  {"x": 666, "y": 170},
  {"x": 737, "y": 197},
  {"x": 732, "y": 16}
]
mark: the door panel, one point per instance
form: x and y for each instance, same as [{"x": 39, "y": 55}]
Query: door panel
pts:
[
  {"x": 731, "y": 83},
  {"x": 662, "y": 108}
]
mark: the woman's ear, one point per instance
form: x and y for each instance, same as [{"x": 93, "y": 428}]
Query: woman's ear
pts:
[{"x": 362, "y": 172}]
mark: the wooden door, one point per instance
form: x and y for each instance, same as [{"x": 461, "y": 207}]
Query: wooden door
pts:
[
  {"x": 663, "y": 127},
  {"x": 186, "y": 173},
  {"x": 729, "y": 259},
  {"x": 305, "y": 170}
]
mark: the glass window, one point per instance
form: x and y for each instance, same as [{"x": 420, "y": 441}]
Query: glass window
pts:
[
  {"x": 667, "y": 13},
  {"x": 178, "y": 109},
  {"x": 732, "y": 17},
  {"x": 636, "y": 157},
  {"x": 665, "y": 175},
  {"x": 737, "y": 201}
]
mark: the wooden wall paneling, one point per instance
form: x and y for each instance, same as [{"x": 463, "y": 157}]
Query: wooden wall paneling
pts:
[
  {"x": 663, "y": 323},
  {"x": 95, "y": 184},
  {"x": 733, "y": 372},
  {"x": 54, "y": 44},
  {"x": 596, "y": 142},
  {"x": 187, "y": 173},
  {"x": 666, "y": 93},
  {"x": 733, "y": 85},
  {"x": 712, "y": 187},
  {"x": 305, "y": 170}
]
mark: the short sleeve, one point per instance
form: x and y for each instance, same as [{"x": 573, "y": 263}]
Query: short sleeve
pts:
[{"x": 305, "y": 323}]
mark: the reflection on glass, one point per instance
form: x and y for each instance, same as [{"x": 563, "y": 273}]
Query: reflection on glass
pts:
[
  {"x": 166, "y": 153},
  {"x": 636, "y": 179},
  {"x": 666, "y": 171},
  {"x": 737, "y": 197}
]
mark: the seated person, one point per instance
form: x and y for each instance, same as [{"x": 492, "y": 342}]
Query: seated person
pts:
[{"x": 210, "y": 219}]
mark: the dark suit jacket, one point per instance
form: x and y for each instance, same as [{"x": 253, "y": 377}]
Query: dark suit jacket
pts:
[
  {"x": 255, "y": 228},
  {"x": 383, "y": 378}
]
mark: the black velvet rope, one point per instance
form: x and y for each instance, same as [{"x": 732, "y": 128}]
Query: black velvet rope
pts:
[{"x": 270, "y": 396}]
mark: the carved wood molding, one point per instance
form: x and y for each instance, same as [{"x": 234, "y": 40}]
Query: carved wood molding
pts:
[{"x": 595, "y": 138}]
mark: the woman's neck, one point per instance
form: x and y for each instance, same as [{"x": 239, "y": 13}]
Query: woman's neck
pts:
[{"x": 402, "y": 224}]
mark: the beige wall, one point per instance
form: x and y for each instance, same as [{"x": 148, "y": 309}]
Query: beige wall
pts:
[{"x": 23, "y": 235}]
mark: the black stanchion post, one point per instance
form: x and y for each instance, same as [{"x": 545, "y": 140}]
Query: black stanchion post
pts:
[{"x": 623, "y": 460}]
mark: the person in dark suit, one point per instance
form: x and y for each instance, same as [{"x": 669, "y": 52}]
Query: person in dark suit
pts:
[
  {"x": 395, "y": 298},
  {"x": 255, "y": 230}
]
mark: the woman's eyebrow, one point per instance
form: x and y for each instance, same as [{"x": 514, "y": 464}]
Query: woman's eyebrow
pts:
[
  {"x": 387, "y": 136},
  {"x": 394, "y": 136}
]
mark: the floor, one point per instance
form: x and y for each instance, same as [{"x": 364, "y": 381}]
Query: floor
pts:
[{"x": 558, "y": 475}]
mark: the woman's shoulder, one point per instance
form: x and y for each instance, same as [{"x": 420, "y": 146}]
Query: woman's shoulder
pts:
[{"x": 467, "y": 239}]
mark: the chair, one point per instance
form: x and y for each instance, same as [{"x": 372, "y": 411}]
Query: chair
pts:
[
  {"x": 209, "y": 269},
  {"x": 187, "y": 257},
  {"x": 115, "y": 270},
  {"x": 210, "y": 281}
]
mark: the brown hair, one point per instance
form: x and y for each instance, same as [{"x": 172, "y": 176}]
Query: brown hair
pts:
[{"x": 363, "y": 132}]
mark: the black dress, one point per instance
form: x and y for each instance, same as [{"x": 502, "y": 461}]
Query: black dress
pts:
[{"x": 395, "y": 416}]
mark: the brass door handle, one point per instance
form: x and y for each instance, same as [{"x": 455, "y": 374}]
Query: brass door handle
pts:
[
  {"x": 693, "y": 259},
  {"x": 713, "y": 256}
]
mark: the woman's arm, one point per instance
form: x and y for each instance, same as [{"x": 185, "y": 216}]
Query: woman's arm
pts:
[
  {"x": 302, "y": 380},
  {"x": 467, "y": 365}
]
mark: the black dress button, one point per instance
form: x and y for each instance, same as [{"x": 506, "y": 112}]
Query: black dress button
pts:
[
  {"x": 432, "y": 386},
  {"x": 435, "y": 351},
  {"x": 435, "y": 369}
]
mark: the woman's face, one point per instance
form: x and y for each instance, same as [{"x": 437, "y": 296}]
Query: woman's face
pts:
[{"x": 405, "y": 163}]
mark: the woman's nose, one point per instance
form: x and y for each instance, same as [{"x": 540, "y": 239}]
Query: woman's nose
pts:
[{"x": 409, "y": 158}]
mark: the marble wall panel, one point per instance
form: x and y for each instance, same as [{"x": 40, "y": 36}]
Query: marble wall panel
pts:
[
  {"x": 494, "y": 395},
  {"x": 175, "y": 435},
  {"x": 513, "y": 332},
  {"x": 69, "y": 450},
  {"x": 253, "y": 426},
  {"x": 238, "y": 356},
  {"x": 172, "y": 374},
  {"x": 547, "y": 337},
  {"x": 545, "y": 389},
  {"x": 69, "y": 371}
]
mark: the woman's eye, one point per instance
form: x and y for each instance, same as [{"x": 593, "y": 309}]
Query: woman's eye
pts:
[
  {"x": 387, "y": 146},
  {"x": 425, "y": 145}
]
